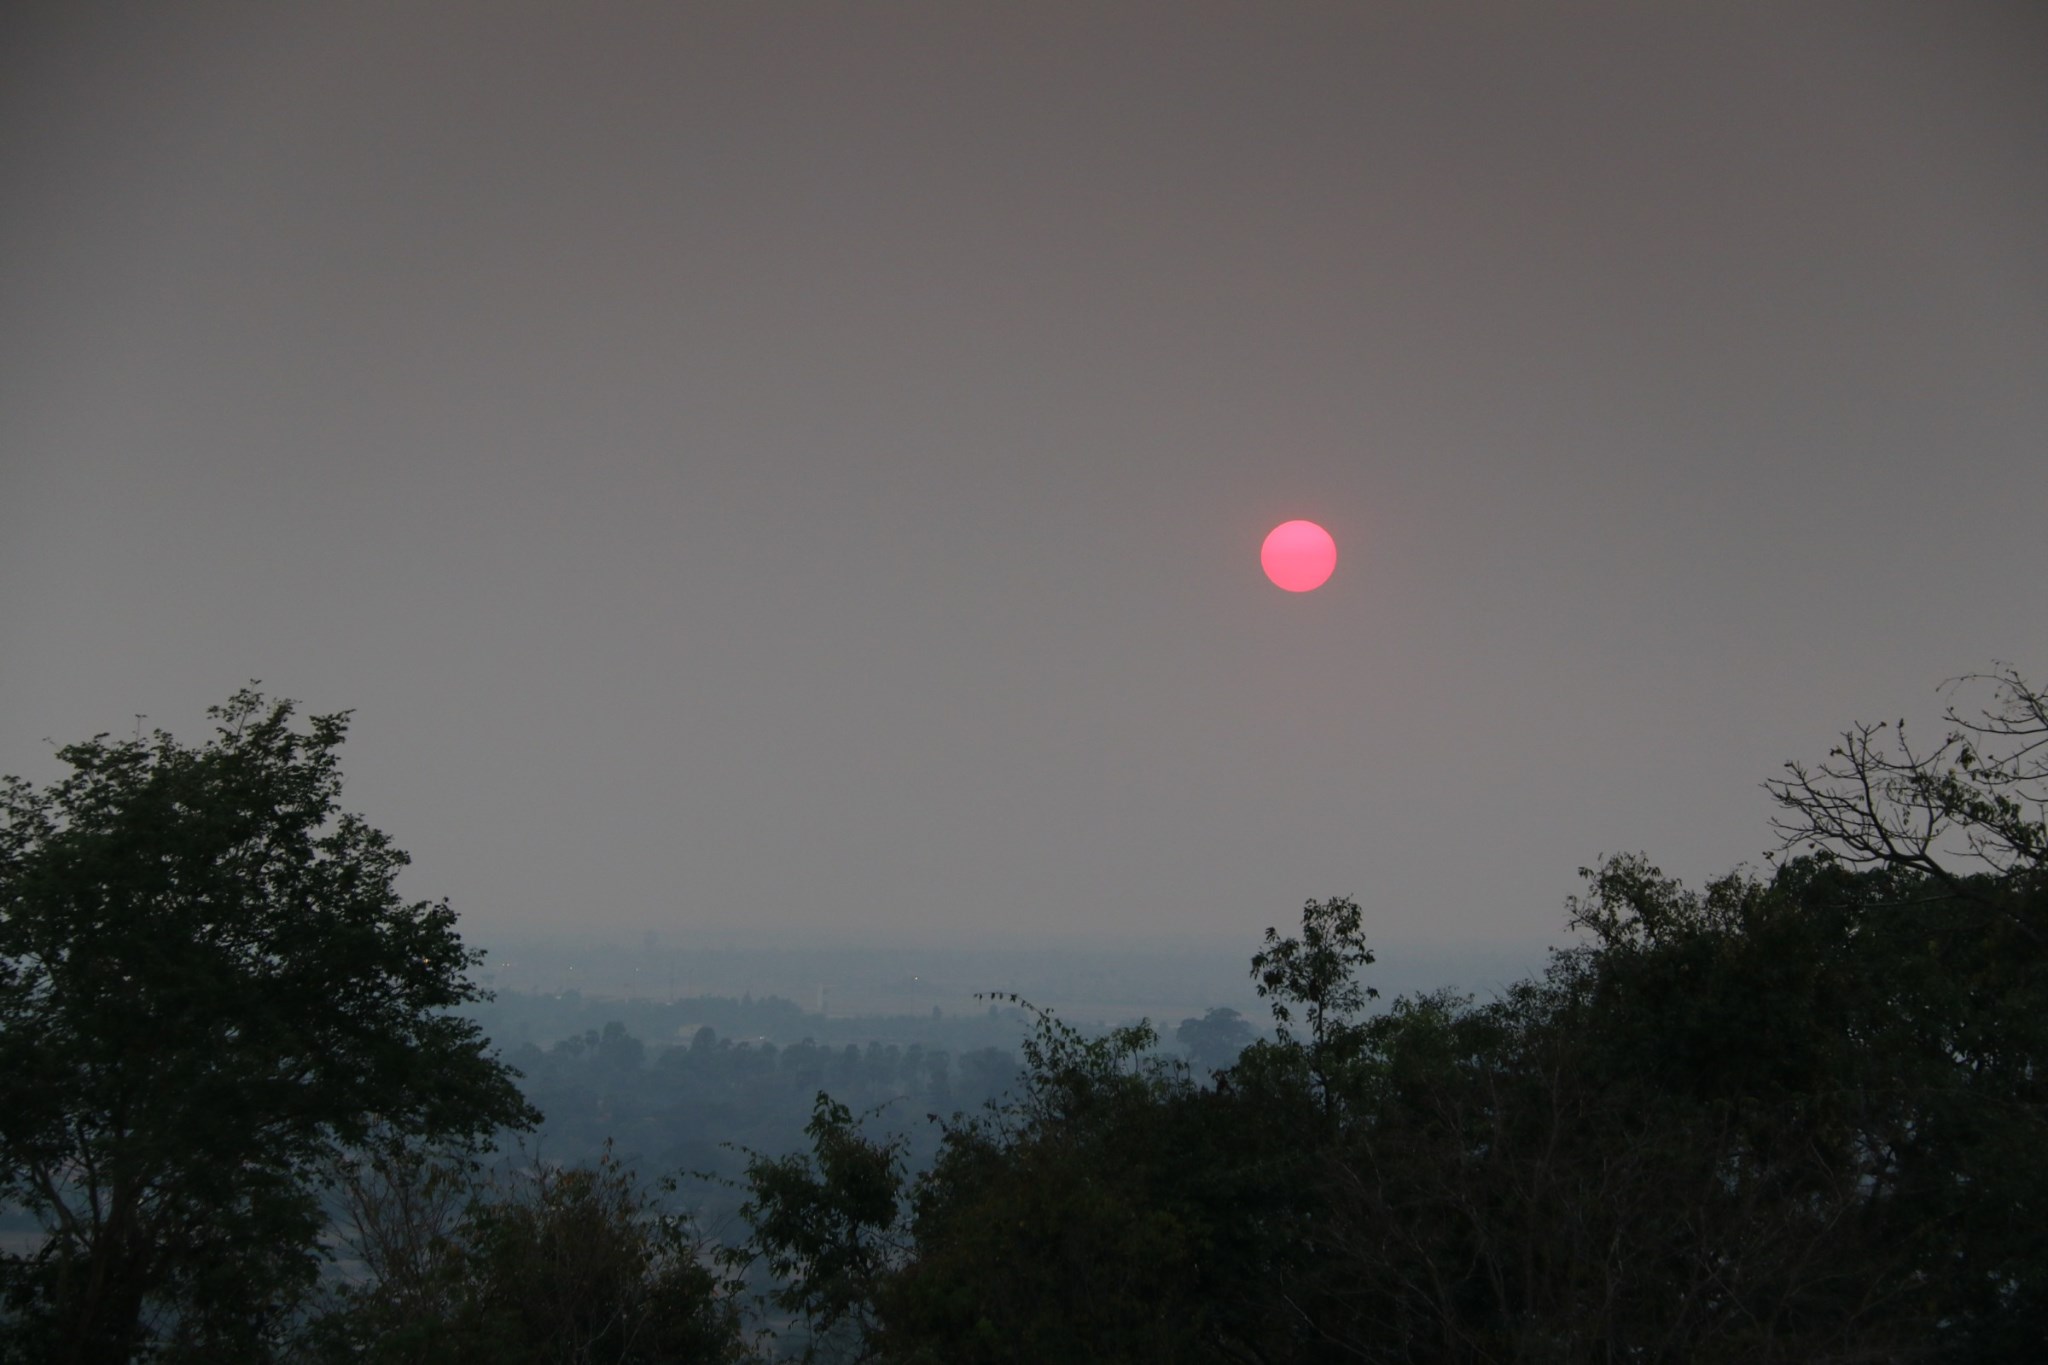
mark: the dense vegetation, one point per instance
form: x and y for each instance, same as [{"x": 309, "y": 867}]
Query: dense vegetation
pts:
[{"x": 1795, "y": 1115}]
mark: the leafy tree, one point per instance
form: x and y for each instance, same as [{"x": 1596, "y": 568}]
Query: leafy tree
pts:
[
  {"x": 827, "y": 1226},
  {"x": 1317, "y": 974},
  {"x": 1215, "y": 1039},
  {"x": 209, "y": 987},
  {"x": 1793, "y": 1117},
  {"x": 1785, "y": 1118},
  {"x": 529, "y": 1267},
  {"x": 1088, "y": 1216},
  {"x": 1949, "y": 918},
  {"x": 1640, "y": 1154}
]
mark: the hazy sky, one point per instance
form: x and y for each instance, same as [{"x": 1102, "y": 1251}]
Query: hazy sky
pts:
[{"x": 801, "y": 468}]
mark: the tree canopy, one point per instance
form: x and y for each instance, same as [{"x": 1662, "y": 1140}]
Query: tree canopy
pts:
[
  {"x": 1788, "y": 1117},
  {"x": 1794, "y": 1115},
  {"x": 210, "y": 988}
]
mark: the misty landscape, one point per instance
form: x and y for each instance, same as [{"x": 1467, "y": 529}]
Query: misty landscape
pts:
[
  {"x": 651, "y": 1060},
  {"x": 934, "y": 684}
]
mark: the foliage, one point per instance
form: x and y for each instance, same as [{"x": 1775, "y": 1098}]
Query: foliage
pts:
[
  {"x": 1087, "y": 1217},
  {"x": 536, "y": 1266},
  {"x": 1041, "y": 1231},
  {"x": 837, "y": 1226},
  {"x": 209, "y": 986},
  {"x": 826, "y": 1225},
  {"x": 1317, "y": 974},
  {"x": 1792, "y": 1117},
  {"x": 1214, "y": 1040}
]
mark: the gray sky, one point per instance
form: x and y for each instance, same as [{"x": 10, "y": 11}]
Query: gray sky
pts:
[{"x": 800, "y": 469}]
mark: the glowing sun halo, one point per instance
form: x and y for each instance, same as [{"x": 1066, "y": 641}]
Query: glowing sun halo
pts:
[{"x": 1298, "y": 556}]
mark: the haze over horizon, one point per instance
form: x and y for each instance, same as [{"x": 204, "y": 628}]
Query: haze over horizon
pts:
[{"x": 799, "y": 472}]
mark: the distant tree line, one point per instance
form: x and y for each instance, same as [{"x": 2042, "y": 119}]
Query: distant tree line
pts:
[
  {"x": 695, "y": 1101},
  {"x": 1795, "y": 1115},
  {"x": 515, "y": 1017},
  {"x": 696, "y": 1104},
  {"x": 702, "y": 1103}
]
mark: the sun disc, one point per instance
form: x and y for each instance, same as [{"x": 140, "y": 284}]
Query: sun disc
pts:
[{"x": 1299, "y": 556}]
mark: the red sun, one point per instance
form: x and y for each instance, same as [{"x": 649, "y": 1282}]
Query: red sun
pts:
[{"x": 1298, "y": 556}]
